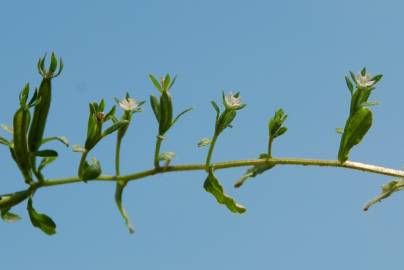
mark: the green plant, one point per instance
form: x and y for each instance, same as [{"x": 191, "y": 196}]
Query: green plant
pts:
[{"x": 27, "y": 141}]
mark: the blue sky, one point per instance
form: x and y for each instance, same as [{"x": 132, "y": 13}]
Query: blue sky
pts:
[{"x": 289, "y": 54}]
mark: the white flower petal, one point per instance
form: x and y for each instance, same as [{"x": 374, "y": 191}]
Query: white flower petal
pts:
[
  {"x": 129, "y": 104},
  {"x": 232, "y": 102}
]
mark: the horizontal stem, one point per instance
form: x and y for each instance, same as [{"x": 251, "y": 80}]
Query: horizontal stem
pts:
[{"x": 232, "y": 164}]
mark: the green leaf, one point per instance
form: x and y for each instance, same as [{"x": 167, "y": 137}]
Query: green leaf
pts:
[
  {"x": 377, "y": 78},
  {"x": 22, "y": 154},
  {"x": 280, "y": 132},
  {"x": 45, "y": 162},
  {"x": 101, "y": 106},
  {"x": 115, "y": 127},
  {"x": 61, "y": 65},
  {"x": 216, "y": 107},
  {"x": 275, "y": 124},
  {"x": 53, "y": 64},
  {"x": 349, "y": 84},
  {"x": 387, "y": 190},
  {"x": 254, "y": 171},
  {"x": 355, "y": 129},
  {"x": 213, "y": 186},
  {"x": 166, "y": 83},
  {"x": 118, "y": 200},
  {"x": 34, "y": 99},
  {"x": 9, "y": 200},
  {"x": 41, "y": 221},
  {"x": 110, "y": 114},
  {"x": 24, "y": 95},
  {"x": 353, "y": 77},
  {"x": 46, "y": 153},
  {"x": 5, "y": 141},
  {"x": 56, "y": 138},
  {"x": 180, "y": 115},
  {"x": 155, "y": 104},
  {"x": 172, "y": 82},
  {"x": 155, "y": 82},
  {"x": 9, "y": 217},
  {"x": 166, "y": 112}
]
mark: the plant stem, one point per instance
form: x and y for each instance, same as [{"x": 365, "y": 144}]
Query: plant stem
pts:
[
  {"x": 270, "y": 140},
  {"x": 160, "y": 138},
  {"x": 118, "y": 155},
  {"x": 210, "y": 152},
  {"x": 218, "y": 166},
  {"x": 232, "y": 164}
]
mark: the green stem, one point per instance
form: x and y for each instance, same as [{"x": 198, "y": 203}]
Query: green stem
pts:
[
  {"x": 118, "y": 155},
  {"x": 232, "y": 164},
  {"x": 270, "y": 140},
  {"x": 210, "y": 152},
  {"x": 159, "y": 140},
  {"x": 37, "y": 174}
]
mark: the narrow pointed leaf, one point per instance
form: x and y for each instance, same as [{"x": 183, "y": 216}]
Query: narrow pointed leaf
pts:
[
  {"x": 155, "y": 82},
  {"x": 167, "y": 81},
  {"x": 118, "y": 200},
  {"x": 53, "y": 64},
  {"x": 387, "y": 190},
  {"x": 254, "y": 171},
  {"x": 181, "y": 114},
  {"x": 5, "y": 141},
  {"x": 45, "y": 162},
  {"x": 349, "y": 84},
  {"x": 280, "y": 132},
  {"x": 216, "y": 107},
  {"x": 56, "y": 138},
  {"x": 166, "y": 112},
  {"x": 114, "y": 127},
  {"x": 24, "y": 95},
  {"x": 377, "y": 78},
  {"x": 155, "y": 104},
  {"x": 172, "y": 82}
]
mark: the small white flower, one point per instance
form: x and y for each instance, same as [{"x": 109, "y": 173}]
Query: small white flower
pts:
[
  {"x": 129, "y": 104},
  {"x": 233, "y": 101},
  {"x": 364, "y": 80}
]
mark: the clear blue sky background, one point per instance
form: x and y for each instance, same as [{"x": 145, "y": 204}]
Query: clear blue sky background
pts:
[{"x": 289, "y": 54}]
